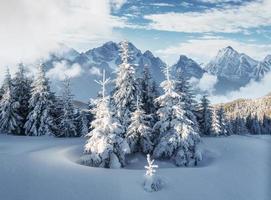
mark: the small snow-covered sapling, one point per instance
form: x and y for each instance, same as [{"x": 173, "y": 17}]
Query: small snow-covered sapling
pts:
[{"x": 152, "y": 182}]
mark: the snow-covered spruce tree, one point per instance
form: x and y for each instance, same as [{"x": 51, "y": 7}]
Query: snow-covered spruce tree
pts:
[
  {"x": 222, "y": 120},
  {"x": 255, "y": 126},
  {"x": 177, "y": 137},
  {"x": 219, "y": 122},
  {"x": 266, "y": 125},
  {"x": 205, "y": 116},
  {"x": 139, "y": 133},
  {"x": 240, "y": 127},
  {"x": 10, "y": 120},
  {"x": 67, "y": 124},
  {"x": 84, "y": 124},
  {"x": 39, "y": 120},
  {"x": 22, "y": 93},
  {"x": 152, "y": 182},
  {"x": 105, "y": 146},
  {"x": 216, "y": 126},
  {"x": 148, "y": 91},
  {"x": 184, "y": 89},
  {"x": 127, "y": 88}
]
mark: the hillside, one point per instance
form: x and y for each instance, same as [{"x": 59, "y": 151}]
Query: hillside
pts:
[{"x": 243, "y": 107}]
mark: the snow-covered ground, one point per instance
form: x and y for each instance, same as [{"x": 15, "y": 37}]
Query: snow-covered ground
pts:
[{"x": 42, "y": 168}]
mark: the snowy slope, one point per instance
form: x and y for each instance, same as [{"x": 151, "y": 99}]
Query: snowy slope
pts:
[{"x": 42, "y": 168}]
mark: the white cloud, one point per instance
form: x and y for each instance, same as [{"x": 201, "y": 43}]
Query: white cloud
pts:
[
  {"x": 162, "y": 4},
  {"x": 205, "y": 48},
  {"x": 63, "y": 69},
  {"x": 207, "y": 83},
  {"x": 117, "y": 4},
  {"x": 230, "y": 19},
  {"x": 29, "y": 28},
  {"x": 220, "y": 1},
  {"x": 252, "y": 90},
  {"x": 95, "y": 71}
]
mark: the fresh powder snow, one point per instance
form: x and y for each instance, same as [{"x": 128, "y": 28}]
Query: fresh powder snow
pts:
[{"x": 42, "y": 168}]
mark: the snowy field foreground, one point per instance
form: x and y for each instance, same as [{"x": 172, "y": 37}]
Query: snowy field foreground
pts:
[{"x": 42, "y": 168}]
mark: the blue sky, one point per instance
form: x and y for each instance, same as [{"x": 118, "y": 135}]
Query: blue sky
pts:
[{"x": 170, "y": 28}]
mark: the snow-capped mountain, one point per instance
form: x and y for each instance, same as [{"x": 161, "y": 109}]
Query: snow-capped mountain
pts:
[
  {"x": 263, "y": 68},
  {"x": 232, "y": 65},
  {"x": 189, "y": 67},
  {"x": 90, "y": 64},
  {"x": 235, "y": 69}
]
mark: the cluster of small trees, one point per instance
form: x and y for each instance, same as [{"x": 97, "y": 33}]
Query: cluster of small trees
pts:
[
  {"x": 134, "y": 118},
  {"x": 28, "y": 107}
]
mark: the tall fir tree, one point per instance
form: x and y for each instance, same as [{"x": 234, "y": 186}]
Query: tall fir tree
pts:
[
  {"x": 266, "y": 124},
  {"x": 67, "y": 124},
  {"x": 216, "y": 126},
  {"x": 40, "y": 120},
  {"x": 240, "y": 127},
  {"x": 127, "y": 88},
  {"x": 205, "y": 116},
  {"x": 22, "y": 93},
  {"x": 105, "y": 146},
  {"x": 255, "y": 126},
  {"x": 184, "y": 89},
  {"x": 219, "y": 126},
  {"x": 148, "y": 91},
  {"x": 139, "y": 133},
  {"x": 177, "y": 138},
  {"x": 10, "y": 119}
]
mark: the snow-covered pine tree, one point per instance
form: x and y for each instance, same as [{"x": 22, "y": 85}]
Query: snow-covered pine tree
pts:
[
  {"x": 266, "y": 125},
  {"x": 177, "y": 138},
  {"x": 152, "y": 182},
  {"x": 148, "y": 91},
  {"x": 255, "y": 126},
  {"x": 10, "y": 120},
  {"x": 1, "y": 92},
  {"x": 240, "y": 127},
  {"x": 127, "y": 88},
  {"x": 84, "y": 124},
  {"x": 205, "y": 116},
  {"x": 22, "y": 93},
  {"x": 67, "y": 124},
  {"x": 40, "y": 120},
  {"x": 216, "y": 126},
  {"x": 105, "y": 146},
  {"x": 219, "y": 126},
  {"x": 139, "y": 133},
  {"x": 184, "y": 89},
  {"x": 222, "y": 120}
]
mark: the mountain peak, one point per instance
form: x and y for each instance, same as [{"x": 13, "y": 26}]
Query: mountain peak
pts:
[
  {"x": 148, "y": 54},
  {"x": 189, "y": 67}
]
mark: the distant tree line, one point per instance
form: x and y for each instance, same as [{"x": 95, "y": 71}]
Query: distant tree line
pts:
[{"x": 29, "y": 107}]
